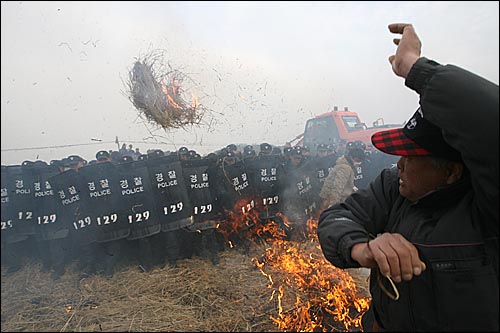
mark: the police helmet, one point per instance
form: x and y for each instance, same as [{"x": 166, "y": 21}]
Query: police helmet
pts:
[
  {"x": 356, "y": 149},
  {"x": 230, "y": 157},
  {"x": 247, "y": 149},
  {"x": 266, "y": 148},
  {"x": 321, "y": 148},
  {"x": 183, "y": 151},
  {"x": 40, "y": 163},
  {"x": 126, "y": 159},
  {"x": 223, "y": 152},
  {"x": 212, "y": 157},
  {"x": 75, "y": 159},
  {"x": 102, "y": 155},
  {"x": 356, "y": 145},
  {"x": 249, "y": 153},
  {"x": 57, "y": 163},
  {"x": 287, "y": 150}
]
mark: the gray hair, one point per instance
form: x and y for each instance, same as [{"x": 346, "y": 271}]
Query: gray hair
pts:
[{"x": 440, "y": 163}]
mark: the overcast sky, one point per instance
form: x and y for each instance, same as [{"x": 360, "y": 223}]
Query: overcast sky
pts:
[{"x": 263, "y": 68}]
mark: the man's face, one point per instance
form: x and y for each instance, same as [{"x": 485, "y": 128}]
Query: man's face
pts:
[
  {"x": 419, "y": 176},
  {"x": 229, "y": 160},
  {"x": 296, "y": 159}
]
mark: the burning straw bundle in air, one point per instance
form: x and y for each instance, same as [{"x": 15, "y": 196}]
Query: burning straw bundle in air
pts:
[{"x": 159, "y": 96}]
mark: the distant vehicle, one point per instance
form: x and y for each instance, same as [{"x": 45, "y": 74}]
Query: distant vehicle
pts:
[{"x": 333, "y": 126}]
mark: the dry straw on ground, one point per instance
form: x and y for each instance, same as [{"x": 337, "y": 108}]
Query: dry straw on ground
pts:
[{"x": 196, "y": 297}]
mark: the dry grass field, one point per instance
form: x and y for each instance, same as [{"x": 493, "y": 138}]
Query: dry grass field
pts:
[{"x": 278, "y": 286}]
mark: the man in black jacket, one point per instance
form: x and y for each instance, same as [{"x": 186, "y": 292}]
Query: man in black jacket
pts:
[{"x": 428, "y": 229}]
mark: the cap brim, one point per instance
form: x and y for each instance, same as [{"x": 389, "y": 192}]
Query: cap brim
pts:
[{"x": 395, "y": 142}]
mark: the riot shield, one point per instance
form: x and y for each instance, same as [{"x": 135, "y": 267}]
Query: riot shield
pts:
[
  {"x": 237, "y": 198},
  {"x": 18, "y": 184},
  {"x": 169, "y": 192},
  {"x": 8, "y": 211},
  {"x": 321, "y": 167},
  {"x": 300, "y": 201},
  {"x": 72, "y": 207},
  {"x": 137, "y": 200},
  {"x": 102, "y": 191},
  {"x": 199, "y": 179},
  {"x": 49, "y": 224},
  {"x": 236, "y": 188},
  {"x": 267, "y": 179}
]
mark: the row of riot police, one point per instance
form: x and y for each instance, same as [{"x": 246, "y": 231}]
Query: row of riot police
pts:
[{"x": 157, "y": 208}]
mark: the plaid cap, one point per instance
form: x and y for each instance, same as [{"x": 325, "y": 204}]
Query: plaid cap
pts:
[{"x": 418, "y": 137}]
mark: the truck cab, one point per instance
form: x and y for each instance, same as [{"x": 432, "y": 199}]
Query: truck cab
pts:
[{"x": 335, "y": 126}]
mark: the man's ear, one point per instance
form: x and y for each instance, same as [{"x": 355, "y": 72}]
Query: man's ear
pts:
[{"x": 455, "y": 171}]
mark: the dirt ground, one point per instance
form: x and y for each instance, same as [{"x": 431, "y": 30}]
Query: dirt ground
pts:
[{"x": 196, "y": 296}]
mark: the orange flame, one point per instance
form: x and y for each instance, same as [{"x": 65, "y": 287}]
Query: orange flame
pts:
[
  {"x": 194, "y": 103},
  {"x": 170, "y": 92},
  {"x": 333, "y": 297},
  {"x": 297, "y": 271}
]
